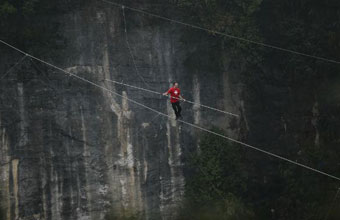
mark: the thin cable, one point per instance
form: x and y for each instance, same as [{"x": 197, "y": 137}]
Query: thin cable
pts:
[
  {"x": 130, "y": 51},
  {"x": 184, "y": 122},
  {"x": 200, "y": 169},
  {"x": 17, "y": 63},
  {"x": 158, "y": 93},
  {"x": 332, "y": 206},
  {"x": 224, "y": 34}
]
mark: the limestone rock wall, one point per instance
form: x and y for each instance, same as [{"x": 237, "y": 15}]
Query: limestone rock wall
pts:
[{"x": 70, "y": 150}]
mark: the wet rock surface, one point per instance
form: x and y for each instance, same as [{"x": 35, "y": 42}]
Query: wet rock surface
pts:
[
  {"x": 70, "y": 150},
  {"x": 73, "y": 151}
]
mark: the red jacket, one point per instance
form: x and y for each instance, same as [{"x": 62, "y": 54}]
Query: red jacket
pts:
[{"x": 174, "y": 93}]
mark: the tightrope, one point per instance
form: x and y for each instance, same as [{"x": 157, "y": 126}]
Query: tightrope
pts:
[
  {"x": 184, "y": 122},
  {"x": 158, "y": 93},
  {"x": 223, "y": 34}
]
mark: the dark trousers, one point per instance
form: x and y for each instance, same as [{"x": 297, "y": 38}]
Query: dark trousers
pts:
[{"x": 177, "y": 108}]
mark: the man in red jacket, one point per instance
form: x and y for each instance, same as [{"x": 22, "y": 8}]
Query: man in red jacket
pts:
[{"x": 175, "y": 97}]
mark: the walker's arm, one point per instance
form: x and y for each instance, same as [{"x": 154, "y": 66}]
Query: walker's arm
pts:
[{"x": 167, "y": 92}]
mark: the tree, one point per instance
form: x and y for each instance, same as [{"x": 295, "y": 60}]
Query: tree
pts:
[{"x": 217, "y": 180}]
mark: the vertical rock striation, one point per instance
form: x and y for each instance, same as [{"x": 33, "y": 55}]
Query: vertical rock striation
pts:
[{"x": 77, "y": 152}]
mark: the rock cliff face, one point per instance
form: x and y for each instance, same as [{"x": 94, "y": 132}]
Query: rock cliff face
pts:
[{"x": 70, "y": 150}]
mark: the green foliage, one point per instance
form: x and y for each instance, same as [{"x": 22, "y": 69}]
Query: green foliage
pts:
[
  {"x": 126, "y": 215},
  {"x": 222, "y": 184},
  {"x": 220, "y": 15},
  {"x": 231, "y": 208},
  {"x": 7, "y": 9},
  {"x": 28, "y": 7},
  {"x": 234, "y": 17},
  {"x": 217, "y": 179},
  {"x": 33, "y": 25},
  {"x": 209, "y": 51}
]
